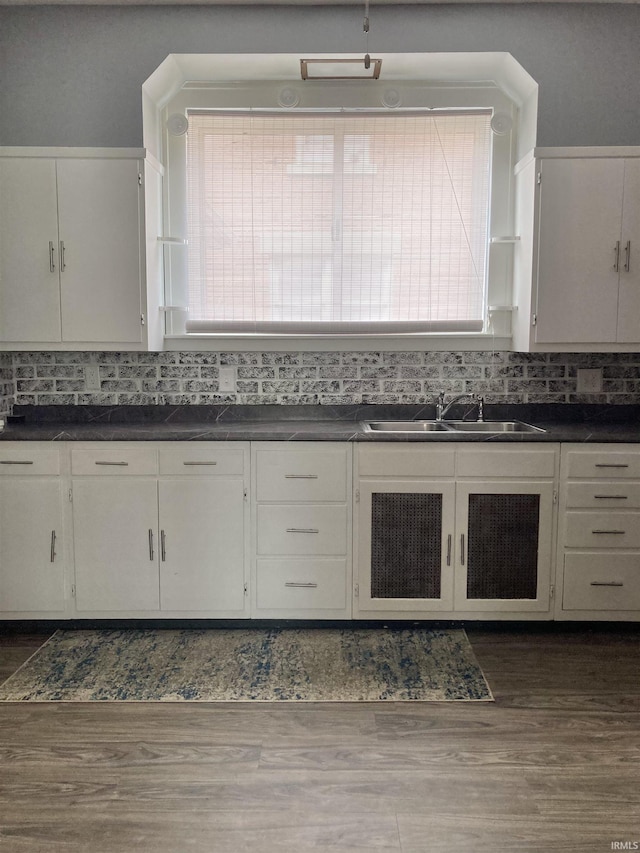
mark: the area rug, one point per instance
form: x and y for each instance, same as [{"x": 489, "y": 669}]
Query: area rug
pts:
[{"x": 237, "y": 665}]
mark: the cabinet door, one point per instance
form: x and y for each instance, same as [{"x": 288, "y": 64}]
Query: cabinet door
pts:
[
  {"x": 98, "y": 207},
  {"x": 503, "y": 556},
  {"x": 580, "y": 223},
  {"x": 202, "y": 548},
  {"x": 405, "y": 546},
  {"x": 31, "y": 545},
  {"x": 629, "y": 294},
  {"x": 29, "y": 283},
  {"x": 115, "y": 522}
]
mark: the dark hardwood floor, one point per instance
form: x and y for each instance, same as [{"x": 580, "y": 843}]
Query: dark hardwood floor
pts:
[{"x": 552, "y": 765}]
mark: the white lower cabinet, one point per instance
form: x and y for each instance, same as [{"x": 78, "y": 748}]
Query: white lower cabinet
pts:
[
  {"x": 32, "y": 540},
  {"x": 599, "y": 533},
  {"x": 115, "y": 521},
  {"x": 170, "y": 543},
  {"x": 202, "y": 545},
  {"x": 477, "y": 544},
  {"x": 302, "y": 530},
  {"x": 460, "y": 530}
]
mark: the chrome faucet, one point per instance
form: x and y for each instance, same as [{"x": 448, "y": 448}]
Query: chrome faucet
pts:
[{"x": 441, "y": 409}]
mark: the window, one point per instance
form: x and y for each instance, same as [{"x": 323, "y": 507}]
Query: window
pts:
[{"x": 337, "y": 223}]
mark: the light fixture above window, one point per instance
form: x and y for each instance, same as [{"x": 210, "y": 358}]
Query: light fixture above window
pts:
[{"x": 340, "y": 69}]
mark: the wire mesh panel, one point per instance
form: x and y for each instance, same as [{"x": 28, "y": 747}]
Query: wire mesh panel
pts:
[
  {"x": 406, "y": 541},
  {"x": 503, "y": 546}
]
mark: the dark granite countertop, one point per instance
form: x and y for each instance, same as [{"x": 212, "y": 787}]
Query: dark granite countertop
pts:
[{"x": 561, "y": 422}]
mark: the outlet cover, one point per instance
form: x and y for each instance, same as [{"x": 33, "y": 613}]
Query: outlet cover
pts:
[
  {"x": 589, "y": 380},
  {"x": 92, "y": 377},
  {"x": 227, "y": 379}
]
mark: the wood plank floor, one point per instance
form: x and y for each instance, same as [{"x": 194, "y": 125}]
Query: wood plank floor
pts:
[{"x": 552, "y": 765}]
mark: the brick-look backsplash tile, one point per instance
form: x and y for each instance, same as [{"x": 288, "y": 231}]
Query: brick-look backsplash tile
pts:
[
  {"x": 328, "y": 378},
  {"x": 7, "y": 383}
]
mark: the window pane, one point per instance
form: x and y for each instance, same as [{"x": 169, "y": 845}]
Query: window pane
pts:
[{"x": 338, "y": 219}]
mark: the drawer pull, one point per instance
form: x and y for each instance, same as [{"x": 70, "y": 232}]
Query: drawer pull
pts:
[
  {"x": 16, "y": 462},
  {"x": 300, "y": 585},
  {"x": 112, "y": 463},
  {"x": 199, "y": 463},
  {"x": 609, "y": 532},
  {"x": 301, "y": 476},
  {"x": 302, "y": 530},
  {"x": 612, "y": 464},
  {"x": 611, "y": 497},
  {"x": 53, "y": 546},
  {"x": 607, "y": 583}
]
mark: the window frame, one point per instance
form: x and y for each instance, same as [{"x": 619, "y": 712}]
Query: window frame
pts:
[{"x": 329, "y": 96}]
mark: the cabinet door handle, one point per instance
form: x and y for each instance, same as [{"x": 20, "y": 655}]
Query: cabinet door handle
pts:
[
  {"x": 607, "y": 583},
  {"x": 63, "y": 266},
  {"x": 52, "y": 265},
  {"x": 16, "y": 462},
  {"x": 612, "y": 464},
  {"x": 302, "y": 530},
  {"x": 449, "y": 550},
  {"x": 462, "y": 549},
  {"x": 609, "y": 532},
  {"x": 111, "y": 463},
  {"x": 611, "y": 497},
  {"x": 616, "y": 257},
  {"x": 199, "y": 463},
  {"x": 163, "y": 546},
  {"x": 301, "y": 476},
  {"x": 300, "y": 585},
  {"x": 151, "y": 544},
  {"x": 627, "y": 256},
  {"x": 53, "y": 546}
]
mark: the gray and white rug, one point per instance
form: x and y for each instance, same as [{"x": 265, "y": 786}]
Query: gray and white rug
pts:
[{"x": 237, "y": 665}]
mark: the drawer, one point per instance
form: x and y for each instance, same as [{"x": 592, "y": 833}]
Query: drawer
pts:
[
  {"x": 202, "y": 460},
  {"x": 602, "y": 530},
  {"x": 26, "y": 460},
  {"x": 604, "y": 495},
  {"x": 302, "y": 475},
  {"x": 107, "y": 460},
  {"x": 295, "y": 529},
  {"x": 506, "y": 462},
  {"x": 605, "y": 464},
  {"x": 601, "y": 582},
  {"x": 301, "y": 585},
  {"x": 410, "y": 460}
]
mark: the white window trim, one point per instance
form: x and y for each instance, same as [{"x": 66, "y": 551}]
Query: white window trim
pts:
[{"x": 347, "y": 95}]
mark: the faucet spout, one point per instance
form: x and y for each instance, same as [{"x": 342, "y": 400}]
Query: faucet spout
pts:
[{"x": 441, "y": 409}]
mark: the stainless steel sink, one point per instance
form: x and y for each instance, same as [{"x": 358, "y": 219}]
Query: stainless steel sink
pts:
[
  {"x": 405, "y": 426},
  {"x": 490, "y": 427}
]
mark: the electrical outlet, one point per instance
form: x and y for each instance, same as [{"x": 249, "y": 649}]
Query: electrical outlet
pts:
[
  {"x": 589, "y": 380},
  {"x": 227, "y": 379},
  {"x": 92, "y": 377}
]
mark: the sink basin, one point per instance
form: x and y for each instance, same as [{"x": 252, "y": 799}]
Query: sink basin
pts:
[
  {"x": 490, "y": 427},
  {"x": 405, "y": 426}
]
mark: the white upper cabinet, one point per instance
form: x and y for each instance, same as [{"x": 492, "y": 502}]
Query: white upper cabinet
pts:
[
  {"x": 29, "y": 279},
  {"x": 72, "y": 257},
  {"x": 577, "y": 268}
]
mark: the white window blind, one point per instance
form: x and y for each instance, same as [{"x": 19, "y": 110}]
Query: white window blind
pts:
[{"x": 337, "y": 223}]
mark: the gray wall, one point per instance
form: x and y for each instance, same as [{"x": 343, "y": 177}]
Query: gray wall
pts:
[{"x": 72, "y": 75}]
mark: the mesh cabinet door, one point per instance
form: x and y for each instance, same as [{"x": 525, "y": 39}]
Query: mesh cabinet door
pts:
[
  {"x": 504, "y": 546},
  {"x": 405, "y": 546}
]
